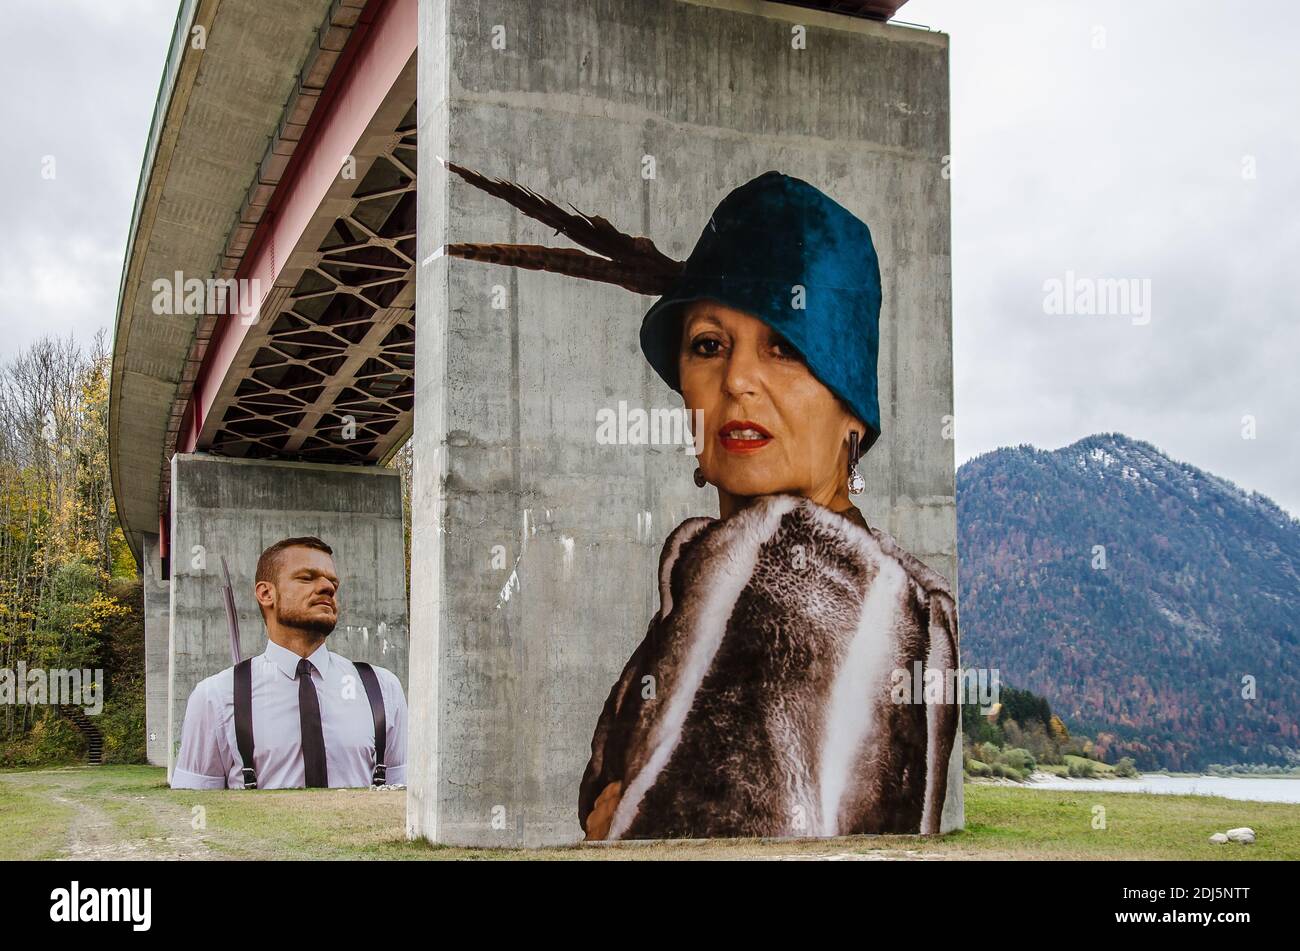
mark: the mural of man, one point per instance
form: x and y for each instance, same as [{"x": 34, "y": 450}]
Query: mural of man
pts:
[{"x": 308, "y": 717}]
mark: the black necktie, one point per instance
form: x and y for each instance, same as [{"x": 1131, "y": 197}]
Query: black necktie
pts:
[{"x": 313, "y": 739}]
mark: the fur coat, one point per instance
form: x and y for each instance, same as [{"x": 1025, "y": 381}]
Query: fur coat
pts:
[{"x": 760, "y": 703}]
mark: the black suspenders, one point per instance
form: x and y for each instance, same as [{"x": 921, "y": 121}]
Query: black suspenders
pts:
[
  {"x": 376, "y": 698},
  {"x": 244, "y": 719}
]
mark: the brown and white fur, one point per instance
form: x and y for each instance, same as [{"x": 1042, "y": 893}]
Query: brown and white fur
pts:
[{"x": 759, "y": 702}]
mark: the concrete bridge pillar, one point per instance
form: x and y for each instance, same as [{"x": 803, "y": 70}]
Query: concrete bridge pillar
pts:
[
  {"x": 534, "y": 547},
  {"x": 157, "y": 635},
  {"x": 236, "y": 508}
]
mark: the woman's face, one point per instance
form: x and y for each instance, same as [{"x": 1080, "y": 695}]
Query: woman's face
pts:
[{"x": 769, "y": 425}]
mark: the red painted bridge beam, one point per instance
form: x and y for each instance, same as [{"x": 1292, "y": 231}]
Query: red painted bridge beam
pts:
[{"x": 379, "y": 49}]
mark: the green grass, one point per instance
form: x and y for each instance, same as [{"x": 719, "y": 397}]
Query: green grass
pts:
[
  {"x": 32, "y": 822},
  {"x": 1027, "y": 823},
  {"x": 128, "y": 811}
]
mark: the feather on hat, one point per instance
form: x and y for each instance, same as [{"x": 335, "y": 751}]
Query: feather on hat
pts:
[
  {"x": 776, "y": 247},
  {"x": 631, "y": 262}
]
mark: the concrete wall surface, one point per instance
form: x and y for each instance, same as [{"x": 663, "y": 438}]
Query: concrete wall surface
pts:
[
  {"x": 534, "y": 547},
  {"x": 157, "y": 639}
]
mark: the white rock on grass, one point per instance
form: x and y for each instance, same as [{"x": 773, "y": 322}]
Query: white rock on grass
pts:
[
  {"x": 1244, "y": 835},
  {"x": 1219, "y": 838}
]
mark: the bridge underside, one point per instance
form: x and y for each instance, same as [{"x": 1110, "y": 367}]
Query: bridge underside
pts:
[{"x": 327, "y": 374}]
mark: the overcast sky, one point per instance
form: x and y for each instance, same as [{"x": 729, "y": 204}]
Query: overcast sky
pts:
[
  {"x": 1126, "y": 161},
  {"x": 80, "y": 80},
  {"x": 1112, "y": 139}
]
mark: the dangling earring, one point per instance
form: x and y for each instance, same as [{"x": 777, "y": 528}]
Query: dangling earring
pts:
[
  {"x": 699, "y": 477},
  {"x": 856, "y": 483}
]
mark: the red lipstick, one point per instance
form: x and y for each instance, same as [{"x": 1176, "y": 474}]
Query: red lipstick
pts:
[{"x": 743, "y": 435}]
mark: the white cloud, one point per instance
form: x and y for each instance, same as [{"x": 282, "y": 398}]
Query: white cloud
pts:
[
  {"x": 1127, "y": 161},
  {"x": 80, "y": 81}
]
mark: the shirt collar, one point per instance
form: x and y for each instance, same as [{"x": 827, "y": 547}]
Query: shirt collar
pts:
[{"x": 287, "y": 660}]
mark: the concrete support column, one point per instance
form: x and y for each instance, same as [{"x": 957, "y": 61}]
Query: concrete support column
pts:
[
  {"x": 157, "y": 636},
  {"x": 236, "y": 508},
  {"x": 534, "y": 546}
]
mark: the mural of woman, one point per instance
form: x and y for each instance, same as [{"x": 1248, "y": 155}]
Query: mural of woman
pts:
[{"x": 764, "y": 700}]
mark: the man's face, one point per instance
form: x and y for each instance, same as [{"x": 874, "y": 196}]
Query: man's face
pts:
[{"x": 305, "y": 591}]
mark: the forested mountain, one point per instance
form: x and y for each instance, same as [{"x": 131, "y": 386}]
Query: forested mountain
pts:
[{"x": 1154, "y": 605}]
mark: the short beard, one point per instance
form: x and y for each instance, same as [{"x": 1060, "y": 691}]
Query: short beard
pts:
[{"x": 305, "y": 622}]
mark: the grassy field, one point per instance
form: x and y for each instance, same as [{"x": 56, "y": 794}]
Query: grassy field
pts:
[{"x": 125, "y": 812}]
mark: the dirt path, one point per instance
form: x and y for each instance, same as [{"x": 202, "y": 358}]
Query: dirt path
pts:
[{"x": 103, "y": 820}]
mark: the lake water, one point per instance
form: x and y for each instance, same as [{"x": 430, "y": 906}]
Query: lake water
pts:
[{"x": 1249, "y": 788}]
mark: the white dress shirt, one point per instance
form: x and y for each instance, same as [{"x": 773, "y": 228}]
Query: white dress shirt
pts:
[{"x": 209, "y": 755}]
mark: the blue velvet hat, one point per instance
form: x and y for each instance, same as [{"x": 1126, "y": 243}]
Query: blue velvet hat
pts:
[
  {"x": 768, "y": 238},
  {"x": 776, "y": 247}
]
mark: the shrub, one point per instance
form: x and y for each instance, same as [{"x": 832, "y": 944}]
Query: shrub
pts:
[
  {"x": 123, "y": 726},
  {"x": 1082, "y": 768},
  {"x": 1019, "y": 759},
  {"x": 1004, "y": 771},
  {"x": 52, "y": 740}
]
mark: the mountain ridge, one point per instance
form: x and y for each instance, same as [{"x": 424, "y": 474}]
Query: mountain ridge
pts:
[{"x": 1139, "y": 594}]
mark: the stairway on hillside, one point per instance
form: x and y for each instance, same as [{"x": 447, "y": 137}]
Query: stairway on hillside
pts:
[{"x": 94, "y": 738}]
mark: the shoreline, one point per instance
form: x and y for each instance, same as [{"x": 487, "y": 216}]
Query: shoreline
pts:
[
  {"x": 1039, "y": 776},
  {"x": 1252, "y": 789}
]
